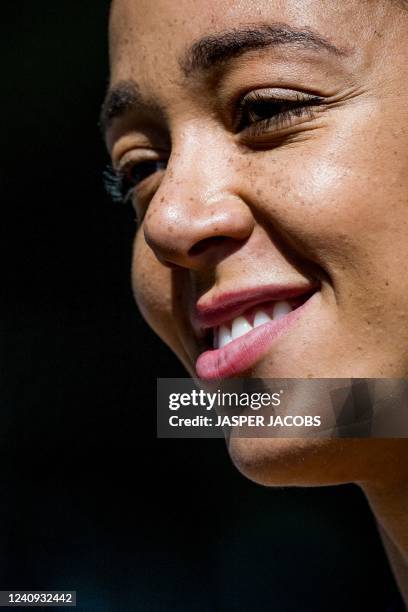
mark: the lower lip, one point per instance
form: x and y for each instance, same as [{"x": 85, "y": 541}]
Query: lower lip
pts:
[{"x": 241, "y": 354}]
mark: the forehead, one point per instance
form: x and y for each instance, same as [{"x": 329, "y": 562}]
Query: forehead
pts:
[{"x": 149, "y": 37}]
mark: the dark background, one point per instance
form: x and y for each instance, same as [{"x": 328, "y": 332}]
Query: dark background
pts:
[{"x": 90, "y": 499}]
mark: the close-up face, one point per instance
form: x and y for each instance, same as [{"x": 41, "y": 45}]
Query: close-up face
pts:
[{"x": 264, "y": 147}]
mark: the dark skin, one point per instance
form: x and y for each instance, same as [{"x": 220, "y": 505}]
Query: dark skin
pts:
[{"x": 319, "y": 194}]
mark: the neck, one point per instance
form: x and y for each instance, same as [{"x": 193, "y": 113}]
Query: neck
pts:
[{"x": 389, "y": 503}]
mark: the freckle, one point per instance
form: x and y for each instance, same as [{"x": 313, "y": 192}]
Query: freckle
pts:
[
  {"x": 386, "y": 283},
  {"x": 171, "y": 230},
  {"x": 258, "y": 192},
  {"x": 162, "y": 199}
]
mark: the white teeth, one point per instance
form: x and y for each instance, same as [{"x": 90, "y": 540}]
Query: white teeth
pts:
[
  {"x": 260, "y": 318},
  {"x": 281, "y": 309},
  {"x": 240, "y": 326},
  {"x": 224, "y": 336}
]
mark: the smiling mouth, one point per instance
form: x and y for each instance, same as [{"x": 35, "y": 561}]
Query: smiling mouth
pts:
[{"x": 239, "y": 337}]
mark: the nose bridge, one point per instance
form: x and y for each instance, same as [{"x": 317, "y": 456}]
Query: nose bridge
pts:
[
  {"x": 195, "y": 201},
  {"x": 195, "y": 166}
]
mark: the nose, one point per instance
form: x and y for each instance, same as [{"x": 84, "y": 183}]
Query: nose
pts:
[{"x": 193, "y": 223}]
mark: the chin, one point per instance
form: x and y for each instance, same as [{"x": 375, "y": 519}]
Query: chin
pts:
[{"x": 298, "y": 461}]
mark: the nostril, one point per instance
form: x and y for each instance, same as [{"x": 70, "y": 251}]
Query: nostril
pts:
[{"x": 205, "y": 244}]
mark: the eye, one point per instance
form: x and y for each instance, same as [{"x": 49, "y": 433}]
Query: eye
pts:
[
  {"x": 135, "y": 173},
  {"x": 260, "y": 111},
  {"x": 121, "y": 183}
]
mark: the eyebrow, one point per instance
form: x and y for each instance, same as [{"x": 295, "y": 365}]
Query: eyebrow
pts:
[
  {"x": 212, "y": 51},
  {"x": 121, "y": 98},
  {"x": 216, "y": 49}
]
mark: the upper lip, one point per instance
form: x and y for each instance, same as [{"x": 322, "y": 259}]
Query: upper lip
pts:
[{"x": 226, "y": 306}]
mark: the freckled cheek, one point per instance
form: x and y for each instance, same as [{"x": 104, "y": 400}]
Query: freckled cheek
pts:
[
  {"x": 344, "y": 187},
  {"x": 348, "y": 212},
  {"x": 353, "y": 214},
  {"x": 311, "y": 200},
  {"x": 325, "y": 202}
]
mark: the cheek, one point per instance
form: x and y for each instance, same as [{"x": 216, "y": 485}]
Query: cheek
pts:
[
  {"x": 151, "y": 283},
  {"x": 341, "y": 197},
  {"x": 157, "y": 296}
]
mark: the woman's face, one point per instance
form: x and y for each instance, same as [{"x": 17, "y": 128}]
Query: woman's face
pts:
[{"x": 266, "y": 143}]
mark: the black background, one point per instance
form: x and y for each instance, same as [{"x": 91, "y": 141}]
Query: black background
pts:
[{"x": 90, "y": 499}]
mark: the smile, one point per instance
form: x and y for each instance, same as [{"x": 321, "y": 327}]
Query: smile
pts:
[{"x": 243, "y": 327}]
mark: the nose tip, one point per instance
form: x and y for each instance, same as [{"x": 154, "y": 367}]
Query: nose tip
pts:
[{"x": 198, "y": 236}]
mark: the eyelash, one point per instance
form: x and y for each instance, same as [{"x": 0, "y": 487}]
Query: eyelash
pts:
[
  {"x": 281, "y": 112},
  {"x": 120, "y": 186}
]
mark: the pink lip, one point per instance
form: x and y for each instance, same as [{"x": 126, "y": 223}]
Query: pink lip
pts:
[
  {"x": 241, "y": 354},
  {"x": 227, "y": 306}
]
